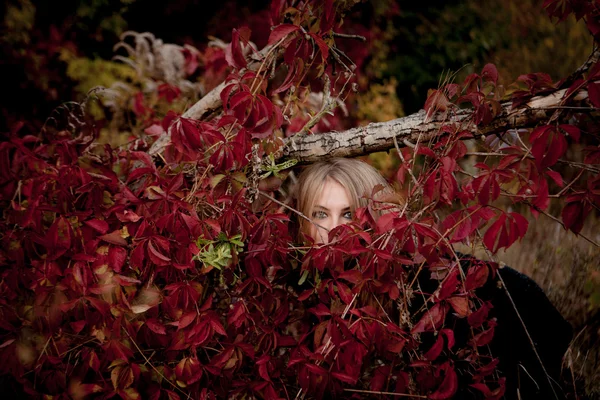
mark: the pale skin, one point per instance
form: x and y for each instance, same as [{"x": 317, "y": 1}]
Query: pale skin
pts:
[{"x": 332, "y": 208}]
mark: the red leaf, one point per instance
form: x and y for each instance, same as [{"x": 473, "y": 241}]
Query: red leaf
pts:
[
  {"x": 519, "y": 226},
  {"x": 426, "y": 151},
  {"x": 449, "y": 333},
  {"x": 486, "y": 370},
  {"x": 156, "y": 326},
  {"x": 353, "y": 276},
  {"x": 320, "y": 310},
  {"x": 116, "y": 258},
  {"x": 98, "y": 225},
  {"x": 186, "y": 319},
  {"x": 477, "y": 318},
  {"x": 344, "y": 378},
  {"x": 128, "y": 216},
  {"x": 344, "y": 292},
  {"x": 233, "y": 53},
  {"x": 573, "y": 216},
  {"x": 449, "y": 385},
  {"x": 556, "y": 177},
  {"x": 237, "y": 315},
  {"x": 156, "y": 257},
  {"x": 431, "y": 320},
  {"x": 460, "y": 225},
  {"x": 477, "y": 276},
  {"x": 548, "y": 145},
  {"x": 593, "y": 155},
  {"x": 102, "y": 306},
  {"x": 490, "y": 239},
  {"x": 572, "y": 131},
  {"x": 425, "y": 231},
  {"x": 125, "y": 280},
  {"x": 322, "y": 45},
  {"x": 316, "y": 369},
  {"x": 575, "y": 86},
  {"x": 380, "y": 376},
  {"x": 490, "y": 73},
  {"x": 263, "y": 367},
  {"x": 460, "y": 305},
  {"x": 114, "y": 237},
  {"x": 485, "y": 337},
  {"x": 77, "y": 326},
  {"x": 305, "y": 295},
  {"x": 59, "y": 235},
  {"x": 138, "y": 256},
  {"x": 216, "y": 325},
  {"x": 435, "y": 350},
  {"x": 281, "y": 31},
  {"x": 436, "y": 101},
  {"x": 594, "y": 94},
  {"x": 293, "y": 71},
  {"x": 450, "y": 283}
]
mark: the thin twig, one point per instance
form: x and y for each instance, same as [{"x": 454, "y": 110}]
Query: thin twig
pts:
[
  {"x": 415, "y": 396},
  {"x": 347, "y": 36},
  {"x": 561, "y": 223},
  {"x": 152, "y": 365},
  {"x": 404, "y": 161},
  {"x": 327, "y": 106},
  {"x": 292, "y": 210}
]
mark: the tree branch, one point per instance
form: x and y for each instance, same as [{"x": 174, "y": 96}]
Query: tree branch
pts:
[{"x": 307, "y": 148}]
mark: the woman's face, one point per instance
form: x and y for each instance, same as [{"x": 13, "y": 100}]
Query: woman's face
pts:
[{"x": 332, "y": 208}]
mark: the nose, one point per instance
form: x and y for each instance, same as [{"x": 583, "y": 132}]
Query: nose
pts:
[
  {"x": 329, "y": 225},
  {"x": 335, "y": 222}
]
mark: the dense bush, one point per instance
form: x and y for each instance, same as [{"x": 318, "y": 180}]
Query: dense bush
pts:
[{"x": 168, "y": 271}]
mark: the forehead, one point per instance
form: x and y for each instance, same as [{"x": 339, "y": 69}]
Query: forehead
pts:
[{"x": 333, "y": 195}]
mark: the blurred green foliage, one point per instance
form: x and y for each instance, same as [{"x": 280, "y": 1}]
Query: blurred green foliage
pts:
[{"x": 432, "y": 39}]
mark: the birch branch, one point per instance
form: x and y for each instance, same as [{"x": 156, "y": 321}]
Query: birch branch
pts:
[{"x": 307, "y": 148}]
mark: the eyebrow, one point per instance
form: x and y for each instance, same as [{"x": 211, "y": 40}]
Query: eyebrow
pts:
[{"x": 327, "y": 209}]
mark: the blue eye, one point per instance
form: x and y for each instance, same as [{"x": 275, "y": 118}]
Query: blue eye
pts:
[
  {"x": 319, "y": 215},
  {"x": 348, "y": 215}
]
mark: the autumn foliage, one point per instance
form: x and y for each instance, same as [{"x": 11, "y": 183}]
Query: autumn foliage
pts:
[{"x": 130, "y": 275}]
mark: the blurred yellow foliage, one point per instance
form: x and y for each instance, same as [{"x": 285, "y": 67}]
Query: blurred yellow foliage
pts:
[
  {"x": 18, "y": 22},
  {"x": 97, "y": 72},
  {"x": 379, "y": 103}
]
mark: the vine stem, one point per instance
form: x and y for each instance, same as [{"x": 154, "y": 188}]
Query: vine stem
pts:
[
  {"x": 414, "y": 396},
  {"x": 592, "y": 241},
  {"x": 262, "y": 64},
  {"x": 347, "y": 36},
  {"x": 273, "y": 199}
]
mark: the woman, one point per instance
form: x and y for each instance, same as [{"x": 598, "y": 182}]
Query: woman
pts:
[{"x": 329, "y": 192}]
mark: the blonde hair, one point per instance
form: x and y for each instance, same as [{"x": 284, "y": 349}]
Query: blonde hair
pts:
[{"x": 357, "y": 177}]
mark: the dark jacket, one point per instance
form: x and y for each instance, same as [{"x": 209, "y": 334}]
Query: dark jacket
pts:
[{"x": 548, "y": 330}]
